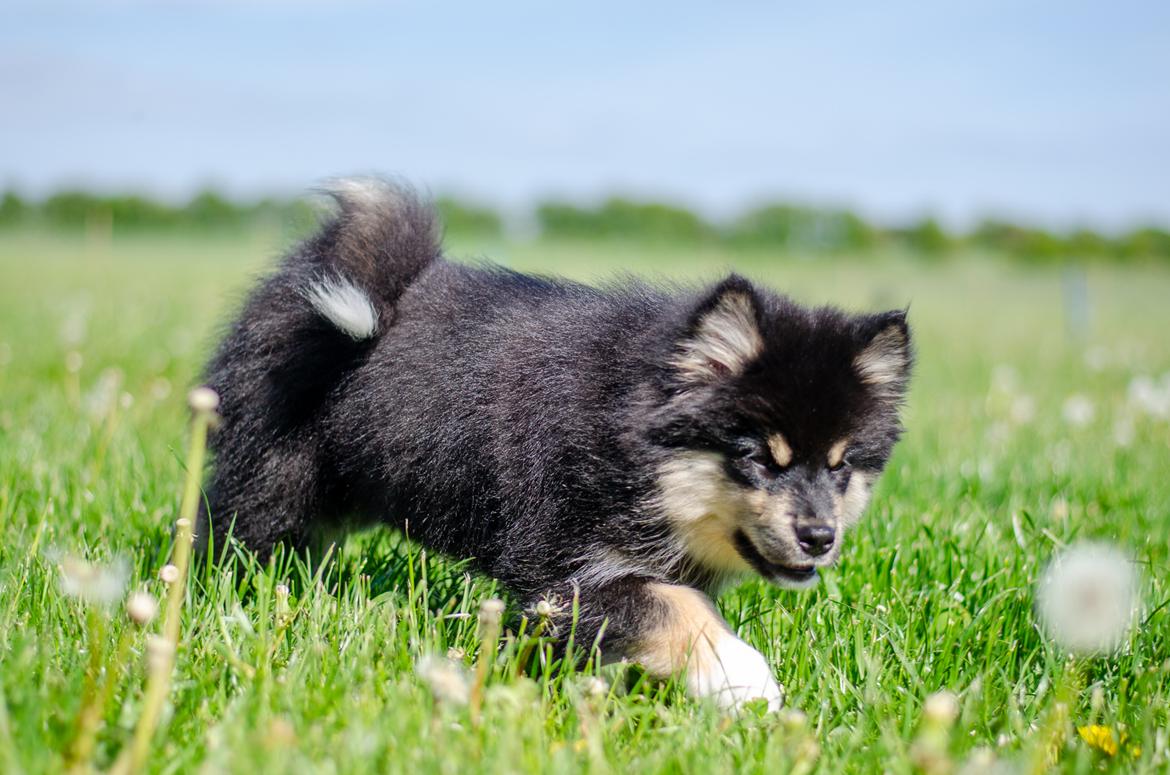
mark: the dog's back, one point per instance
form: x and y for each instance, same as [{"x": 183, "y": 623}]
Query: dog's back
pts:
[{"x": 477, "y": 407}]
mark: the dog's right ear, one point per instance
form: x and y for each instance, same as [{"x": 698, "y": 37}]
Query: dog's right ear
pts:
[{"x": 723, "y": 333}]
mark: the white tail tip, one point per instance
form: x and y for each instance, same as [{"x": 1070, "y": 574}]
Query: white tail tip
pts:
[{"x": 344, "y": 305}]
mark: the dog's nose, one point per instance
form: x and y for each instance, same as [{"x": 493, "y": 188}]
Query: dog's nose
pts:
[{"x": 815, "y": 539}]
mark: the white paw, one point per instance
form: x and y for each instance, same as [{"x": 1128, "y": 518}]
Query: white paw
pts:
[{"x": 732, "y": 673}]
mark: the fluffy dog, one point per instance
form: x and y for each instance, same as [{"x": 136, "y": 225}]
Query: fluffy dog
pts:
[{"x": 635, "y": 446}]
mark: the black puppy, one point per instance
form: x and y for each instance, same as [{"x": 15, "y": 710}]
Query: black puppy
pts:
[{"x": 636, "y": 446}]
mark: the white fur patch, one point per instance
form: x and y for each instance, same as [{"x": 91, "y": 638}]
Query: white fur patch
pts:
[
  {"x": 733, "y": 673},
  {"x": 344, "y": 305},
  {"x": 725, "y": 341},
  {"x": 885, "y": 360}
]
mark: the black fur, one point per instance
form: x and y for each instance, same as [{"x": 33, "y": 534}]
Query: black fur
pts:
[{"x": 517, "y": 420}]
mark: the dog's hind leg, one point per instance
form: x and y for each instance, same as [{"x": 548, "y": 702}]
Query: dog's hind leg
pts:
[{"x": 672, "y": 629}]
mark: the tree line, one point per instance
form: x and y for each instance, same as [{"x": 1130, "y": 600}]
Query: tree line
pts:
[{"x": 782, "y": 226}]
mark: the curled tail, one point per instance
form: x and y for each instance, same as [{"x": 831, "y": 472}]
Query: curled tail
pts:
[
  {"x": 382, "y": 237},
  {"x": 301, "y": 332}
]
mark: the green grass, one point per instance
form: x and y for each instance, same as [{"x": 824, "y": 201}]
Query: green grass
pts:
[{"x": 934, "y": 590}]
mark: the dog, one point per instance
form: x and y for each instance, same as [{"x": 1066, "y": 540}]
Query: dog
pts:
[{"x": 632, "y": 447}]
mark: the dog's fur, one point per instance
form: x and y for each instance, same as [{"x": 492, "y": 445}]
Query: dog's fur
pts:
[{"x": 632, "y": 445}]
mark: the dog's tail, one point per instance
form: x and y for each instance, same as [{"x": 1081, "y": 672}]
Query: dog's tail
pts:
[
  {"x": 355, "y": 269},
  {"x": 302, "y": 331}
]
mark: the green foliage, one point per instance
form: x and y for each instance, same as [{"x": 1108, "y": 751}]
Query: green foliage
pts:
[
  {"x": 13, "y": 209},
  {"x": 465, "y": 218},
  {"x": 934, "y": 590},
  {"x": 777, "y": 226},
  {"x": 623, "y": 219},
  {"x": 788, "y": 227}
]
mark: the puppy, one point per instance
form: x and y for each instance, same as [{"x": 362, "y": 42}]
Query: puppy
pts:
[{"x": 634, "y": 446}]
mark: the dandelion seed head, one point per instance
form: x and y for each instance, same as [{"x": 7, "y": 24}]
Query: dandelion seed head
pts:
[
  {"x": 1022, "y": 410},
  {"x": 141, "y": 607},
  {"x": 446, "y": 679},
  {"x": 100, "y": 585},
  {"x": 596, "y": 687},
  {"x": 1088, "y": 598},
  {"x": 941, "y": 708},
  {"x": 1078, "y": 410},
  {"x": 544, "y": 609},
  {"x": 491, "y": 610},
  {"x": 169, "y": 573},
  {"x": 203, "y": 399}
]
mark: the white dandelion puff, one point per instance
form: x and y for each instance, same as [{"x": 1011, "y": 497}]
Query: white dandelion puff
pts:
[
  {"x": 1022, "y": 410},
  {"x": 1088, "y": 598},
  {"x": 169, "y": 574},
  {"x": 446, "y": 679},
  {"x": 941, "y": 708},
  {"x": 203, "y": 399},
  {"x": 1123, "y": 432},
  {"x": 100, "y": 585},
  {"x": 1078, "y": 410},
  {"x": 141, "y": 607},
  {"x": 1150, "y": 397}
]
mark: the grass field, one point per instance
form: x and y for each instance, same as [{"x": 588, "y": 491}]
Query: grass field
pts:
[{"x": 998, "y": 470}]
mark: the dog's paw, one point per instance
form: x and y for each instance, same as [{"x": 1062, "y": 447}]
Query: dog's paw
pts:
[{"x": 733, "y": 674}]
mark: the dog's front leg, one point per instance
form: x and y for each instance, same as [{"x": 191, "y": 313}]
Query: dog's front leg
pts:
[
  {"x": 672, "y": 629},
  {"x": 683, "y": 632}
]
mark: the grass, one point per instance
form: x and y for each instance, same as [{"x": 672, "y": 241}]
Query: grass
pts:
[{"x": 310, "y": 667}]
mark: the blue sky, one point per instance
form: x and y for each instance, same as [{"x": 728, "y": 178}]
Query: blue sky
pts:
[{"x": 1054, "y": 111}]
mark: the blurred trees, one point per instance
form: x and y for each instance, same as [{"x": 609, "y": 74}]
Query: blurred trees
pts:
[{"x": 781, "y": 226}]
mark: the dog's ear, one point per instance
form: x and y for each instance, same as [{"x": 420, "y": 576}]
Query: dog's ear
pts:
[
  {"x": 885, "y": 356},
  {"x": 722, "y": 334}
]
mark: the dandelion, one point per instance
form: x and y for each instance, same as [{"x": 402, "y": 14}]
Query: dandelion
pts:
[
  {"x": 203, "y": 399},
  {"x": 1123, "y": 432},
  {"x": 94, "y": 584},
  {"x": 1004, "y": 378},
  {"x": 446, "y": 679},
  {"x": 1100, "y": 738},
  {"x": 169, "y": 574},
  {"x": 141, "y": 608},
  {"x": 596, "y": 687},
  {"x": 941, "y": 708},
  {"x": 1149, "y": 397},
  {"x": 1088, "y": 598},
  {"x": 1022, "y": 410},
  {"x": 1078, "y": 410}
]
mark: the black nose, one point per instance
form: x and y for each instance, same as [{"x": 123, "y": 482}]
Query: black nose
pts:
[{"x": 815, "y": 539}]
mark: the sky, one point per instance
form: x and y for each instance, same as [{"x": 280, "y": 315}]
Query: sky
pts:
[{"x": 1057, "y": 112}]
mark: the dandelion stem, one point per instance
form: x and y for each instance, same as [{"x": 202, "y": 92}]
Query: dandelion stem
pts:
[{"x": 162, "y": 664}]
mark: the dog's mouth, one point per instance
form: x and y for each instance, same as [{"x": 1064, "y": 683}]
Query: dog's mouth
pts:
[{"x": 799, "y": 576}]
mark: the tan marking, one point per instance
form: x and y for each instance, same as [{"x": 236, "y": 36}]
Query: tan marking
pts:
[
  {"x": 703, "y": 506},
  {"x": 781, "y": 452},
  {"x": 884, "y": 361},
  {"x": 837, "y": 453},
  {"x": 725, "y": 340},
  {"x": 685, "y": 636}
]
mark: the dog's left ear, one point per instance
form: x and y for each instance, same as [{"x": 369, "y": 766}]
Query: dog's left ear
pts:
[
  {"x": 722, "y": 334},
  {"x": 885, "y": 357}
]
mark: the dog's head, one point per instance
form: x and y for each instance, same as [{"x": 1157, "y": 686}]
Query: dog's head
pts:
[{"x": 775, "y": 423}]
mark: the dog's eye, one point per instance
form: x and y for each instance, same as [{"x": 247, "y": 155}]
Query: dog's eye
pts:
[{"x": 760, "y": 458}]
